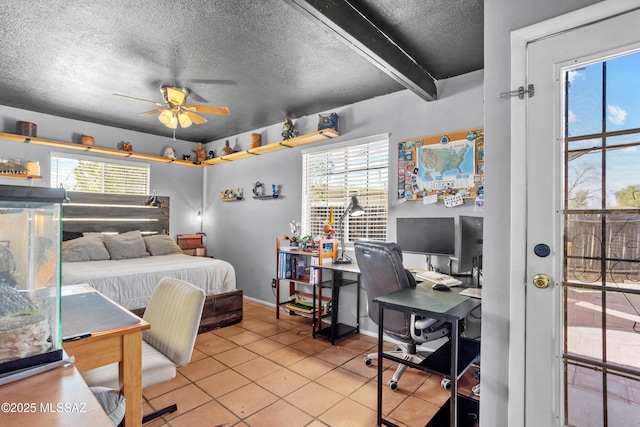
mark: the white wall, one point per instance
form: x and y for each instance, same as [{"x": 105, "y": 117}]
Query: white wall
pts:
[
  {"x": 500, "y": 18},
  {"x": 182, "y": 183},
  {"x": 244, "y": 232}
]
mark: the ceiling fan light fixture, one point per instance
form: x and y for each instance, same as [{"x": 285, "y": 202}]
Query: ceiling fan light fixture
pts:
[
  {"x": 185, "y": 120},
  {"x": 173, "y": 123},
  {"x": 165, "y": 117}
]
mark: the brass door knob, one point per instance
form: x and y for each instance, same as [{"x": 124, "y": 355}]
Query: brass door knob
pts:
[{"x": 541, "y": 280}]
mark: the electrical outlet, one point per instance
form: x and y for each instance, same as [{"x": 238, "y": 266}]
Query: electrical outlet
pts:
[{"x": 273, "y": 283}]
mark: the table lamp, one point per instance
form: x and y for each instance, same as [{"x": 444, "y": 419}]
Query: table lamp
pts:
[{"x": 354, "y": 209}]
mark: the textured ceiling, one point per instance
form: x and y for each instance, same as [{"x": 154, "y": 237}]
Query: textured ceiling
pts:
[{"x": 263, "y": 59}]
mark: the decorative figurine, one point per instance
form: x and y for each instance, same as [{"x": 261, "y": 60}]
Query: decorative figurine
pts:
[
  {"x": 200, "y": 154},
  {"x": 126, "y": 146},
  {"x": 288, "y": 131},
  {"x": 328, "y": 121},
  {"x": 227, "y": 150},
  {"x": 274, "y": 190},
  {"x": 186, "y": 157},
  {"x": 258, "y": 189},
  {"x": 211, "y": 155},
  {"x": 170, "y": 152}
]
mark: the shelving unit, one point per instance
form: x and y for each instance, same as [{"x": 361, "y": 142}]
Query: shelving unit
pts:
[
  {"x": 324, "y": 279},
  {"x": 264, "y": 149},
  {"x": 300, "y": 285}
]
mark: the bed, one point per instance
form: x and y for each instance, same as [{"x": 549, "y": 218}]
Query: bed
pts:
[{"x": 127, "y": 263}]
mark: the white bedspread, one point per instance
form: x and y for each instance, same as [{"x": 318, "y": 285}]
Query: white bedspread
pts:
[{"x": 130, "y": 282}]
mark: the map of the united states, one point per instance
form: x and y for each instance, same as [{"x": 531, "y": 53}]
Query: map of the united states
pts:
[{"x": 438, "y": 160}]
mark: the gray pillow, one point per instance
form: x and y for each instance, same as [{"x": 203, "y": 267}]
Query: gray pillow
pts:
[
  {"x": 88, "y": 248},
  {"x": 161, "y": 244},
  {"x": 125, "y": 246}
]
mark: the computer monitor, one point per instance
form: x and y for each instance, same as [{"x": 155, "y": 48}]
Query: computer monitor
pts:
[
  {"x": 429, "y": 236},
  {"x": 470, "y": 243}
]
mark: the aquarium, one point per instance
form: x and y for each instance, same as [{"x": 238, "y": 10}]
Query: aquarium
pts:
[{"x": 30, "y": 301}]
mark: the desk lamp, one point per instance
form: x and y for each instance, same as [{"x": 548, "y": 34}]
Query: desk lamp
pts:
[{"x": 354, "y": 209}]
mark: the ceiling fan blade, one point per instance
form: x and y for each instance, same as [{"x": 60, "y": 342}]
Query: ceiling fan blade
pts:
[
  {"x": 152, "y": 112},
  {"x": 194, "y": 117},
  {"x": 207, "y": 109},
  {"x": 159, "y": 104},
  {"x": 213, "y": 82}
]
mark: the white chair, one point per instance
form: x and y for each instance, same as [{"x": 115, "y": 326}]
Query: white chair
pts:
[{"x": 173, "y": 312}]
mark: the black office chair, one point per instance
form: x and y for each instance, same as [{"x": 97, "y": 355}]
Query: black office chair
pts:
[{"x": 382, "y": 272}]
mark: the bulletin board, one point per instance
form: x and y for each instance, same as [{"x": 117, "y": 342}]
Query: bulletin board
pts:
[{"x": 442, "y": 167}]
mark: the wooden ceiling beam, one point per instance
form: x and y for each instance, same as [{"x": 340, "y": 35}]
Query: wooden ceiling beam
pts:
[{"x": 357, "y": 31}]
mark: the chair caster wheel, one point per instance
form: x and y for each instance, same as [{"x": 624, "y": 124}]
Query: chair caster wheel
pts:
[
  {"x": 446, "y": 384},
  {"x": 368, "y": 361},
  {"x": 393, "y": 385}
]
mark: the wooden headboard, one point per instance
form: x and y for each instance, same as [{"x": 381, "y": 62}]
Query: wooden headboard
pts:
[{"x": 98, "y": 212}]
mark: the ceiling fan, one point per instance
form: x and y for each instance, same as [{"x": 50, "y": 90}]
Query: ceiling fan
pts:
[{"x": 174, "y": 112}]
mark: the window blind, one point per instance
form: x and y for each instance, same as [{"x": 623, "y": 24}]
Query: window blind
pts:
[
  {"x": 95, "y": 175},
  {"x": 331, "y": 177}
]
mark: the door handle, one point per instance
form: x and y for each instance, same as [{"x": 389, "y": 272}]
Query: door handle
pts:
[{"x": 541, "y": 281}]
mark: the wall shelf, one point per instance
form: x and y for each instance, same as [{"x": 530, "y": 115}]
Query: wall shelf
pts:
[
  {"x": 263, "y": 149},
  {"x": 20, "y": 176},
  {"x": 95, "y": 149},
  {"x": 276, "y": 146},
  {"x": 266, "y": 197}
]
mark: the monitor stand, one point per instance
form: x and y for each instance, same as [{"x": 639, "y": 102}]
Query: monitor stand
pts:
[{"x": 429, "y": 267}]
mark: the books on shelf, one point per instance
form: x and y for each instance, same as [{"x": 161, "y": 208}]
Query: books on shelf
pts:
[
  {"x": 296, "y": 267},
  {"x": 300, "y": 305}
]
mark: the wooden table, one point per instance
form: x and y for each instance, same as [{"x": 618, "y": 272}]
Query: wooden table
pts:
[
  {"x": 122, "y": 345},
  {"x": 58, "y": 397}
]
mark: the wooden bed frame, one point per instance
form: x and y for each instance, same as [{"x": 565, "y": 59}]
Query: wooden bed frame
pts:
[{"x": 121, "y": 213}]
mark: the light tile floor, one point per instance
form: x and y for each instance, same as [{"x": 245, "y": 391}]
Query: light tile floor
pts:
[{"x": 268, "y": 372}]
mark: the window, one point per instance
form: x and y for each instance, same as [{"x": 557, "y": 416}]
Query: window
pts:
[
  {"x": 331, "y": 177},
  {"x": 95, "y": 175}
]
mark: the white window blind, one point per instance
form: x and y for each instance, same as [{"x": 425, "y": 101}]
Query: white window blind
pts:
[
  {"x": 331, "y": 177},
  {"x": 95, "y": 175}
]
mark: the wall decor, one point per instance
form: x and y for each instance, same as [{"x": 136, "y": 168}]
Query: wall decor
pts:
[{"x": 438, "y": 166}]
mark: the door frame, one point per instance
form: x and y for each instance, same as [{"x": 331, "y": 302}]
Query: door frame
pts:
[{"x": 518, "y": 230}]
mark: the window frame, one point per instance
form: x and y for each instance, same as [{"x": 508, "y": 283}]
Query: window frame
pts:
[
  {"x": 54, "y": 181},
  {"x": 374, "y": 224}
]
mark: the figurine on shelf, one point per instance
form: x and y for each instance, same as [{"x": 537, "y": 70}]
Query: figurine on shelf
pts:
[
  {"x": 227, "y": 150},
  {"x": 274, "y": 190},
  {"x": 288, "y": 131},
  {"x": 186, "y": 157},
  {"x": 258, "y": 189},
  {"x": 170, "y": 152},
  {"x": 126, "y": 146},
  {"x": 230, "y": 194},
  {"x": 200, "y": 154},
  {"x": 211, "y": 155}
]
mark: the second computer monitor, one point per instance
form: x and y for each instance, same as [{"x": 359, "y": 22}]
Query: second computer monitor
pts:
[{"x": 470, "y": 243}]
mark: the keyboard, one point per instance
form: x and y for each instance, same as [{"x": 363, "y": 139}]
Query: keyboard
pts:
[{"x": 439, "y": 278}]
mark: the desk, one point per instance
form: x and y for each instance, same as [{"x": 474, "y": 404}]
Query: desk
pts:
[
  {"x": 122, "y": 345},
  {"x": 58, "y": 397},
  {"x": 336, "y": 330},
  {"x": 450, "y": 360}
]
